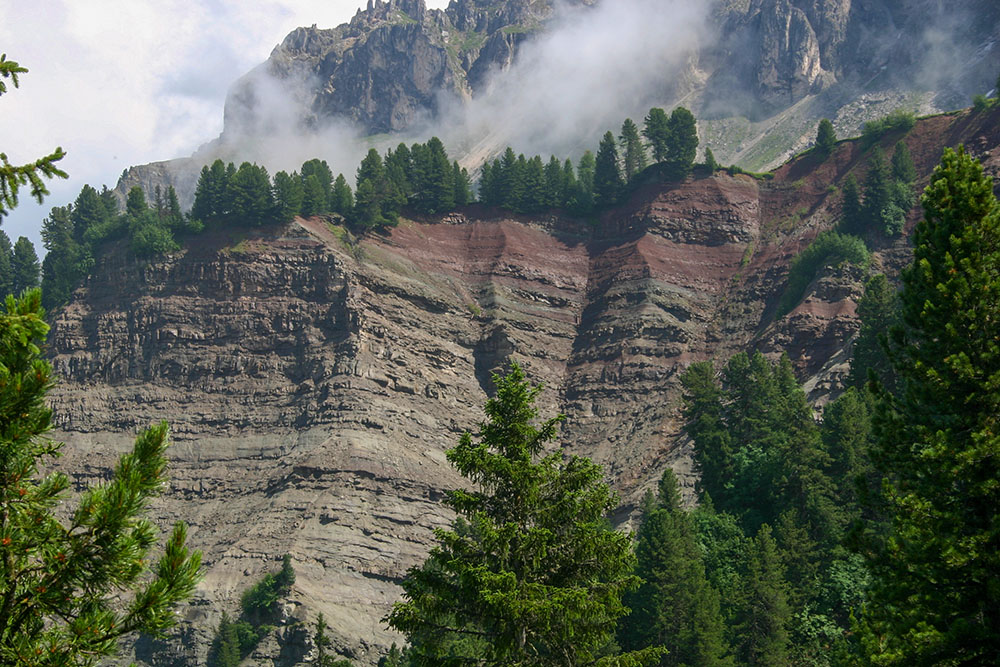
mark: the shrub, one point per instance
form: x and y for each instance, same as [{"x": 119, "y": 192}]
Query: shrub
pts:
[
  {"x": 829, "y": 247},
  {"x": 899, "y": 120}
]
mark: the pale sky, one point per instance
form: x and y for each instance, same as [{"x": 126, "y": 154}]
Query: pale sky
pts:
[{"x": 124, "y": 82}]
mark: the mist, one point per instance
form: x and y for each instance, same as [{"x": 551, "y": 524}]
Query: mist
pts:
[{"x": 590, "y": 69}]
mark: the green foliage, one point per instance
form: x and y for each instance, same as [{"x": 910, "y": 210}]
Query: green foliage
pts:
[
  {"x": 899, "y": 120},
  {"x": 531, "y": 574},
  {"x": 878, "y": 311},
  {"x": 683, "y": 146},
  {"x": 608, "y": 183},
  {"x": 24, "y": 266},
  {"x": 934, "y": 599},
  {"x": 828, "y": 248},
  {"x": 288, "y": 195},
  {"x": 981, "y": 102},
  {"x": 764, "y": 613},
  {"x": 826, "y": 137},
  {"x": 14, "y": 177},
  {"x": 70, "y": 587},
  {"x": 634, "y": 158},
  {"x": 657, "y": 132},
  {"x": 710, "y": 162},
  {"x": 675, "y": 606},
  {"x": 851, "y": 216},
  {"x": 251, "y": 200},
  {"x": 261, "y": 600}
]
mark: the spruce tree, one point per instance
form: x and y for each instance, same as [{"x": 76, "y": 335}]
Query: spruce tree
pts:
[
  {"x": 703, "y": 415},
  {"x": 24, "y": 266},
  {"x": 6, "y": 254},
  {"x": 764, "y": 614},
  {"x": 826, "y": 137},
  {"x": 852, "y": 219},
  {"x": 675, "y": 607},
  {"x": 879, "y": 209},
  {"x": 634, "y": 158},
  {"x": 878, "y": 311},
  {"x": 903, "y": 169},
  {"x": 935, "y": 600},
  {"x": 342, "y": 199},
  {"x": 72, "y": 581},
  {"x": 608, "y": 184},
  {"x": 657, "y": 132},
  {"x": 531, "y": 573},
  {"x": 534, "y": 186},
  {"x": 463, "y": 187},
  {"x": 710, "y": 161},
  {"x": 288, "y": 195},
  {"x": 252, "y": 198},
  {"x": 555, "y": 184},
  {"x": 582, "y": 200},
  {"x": 683, "y": 146}
]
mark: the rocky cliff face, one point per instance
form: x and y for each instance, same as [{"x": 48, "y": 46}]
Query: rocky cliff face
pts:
[{"x": 314, "y": 380}]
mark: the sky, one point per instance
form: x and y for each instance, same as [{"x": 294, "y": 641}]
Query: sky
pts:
[{"x": 118, "y": 83}]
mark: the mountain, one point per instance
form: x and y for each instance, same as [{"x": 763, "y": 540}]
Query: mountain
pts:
[
  {"x": 758, "y": 74},
  {"x": 313, "y": 379}
]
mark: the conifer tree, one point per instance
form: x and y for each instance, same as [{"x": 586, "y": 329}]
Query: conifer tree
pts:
[
  {"x": 764, "y": 613},
  {"x": 657, "y": 132},
  {"x": 878, "y": 311},
  {"x": 710, "y": 161},
  {"x": 851, "y": 213},
  {"x": 24, "y": 266},
  {"x": 934, "y": 600},
  {"x": 608, "y": 184},
  {"x": 555, "y": 183},
  {"x": 683, "y": 146},
  {"x": 288, "y": 195},
  {"x": 69, "y": 587},
  {"x": 6, "y": 254},
  {"x": 634, "y": 158},
  {"x": 88, "y": 213},
  {"x": 342, "y": 199},
  {"x": 569, "y": 183},
  {"x": 531, "y": 572},
  {"x": 399, "y": 169},
  {"x": 903, "y": 169},
  {"x": 675, "y": 607},
  {"x": 880, "y": 209},
  {"x": 315, "y": 199},
  {"x": 826, "y": 137},
  {"x": 463, "y": 187},
  {"x": 703, "y": 414},
  {"x": 582, "y": 201},
  {"x": 135, "y": 203},
  {"x": 324, "y": 179},
  {"x": 534, "y": 185},
  {"x": 251, "y": 196},
  {"x": 14, "y": 177}
]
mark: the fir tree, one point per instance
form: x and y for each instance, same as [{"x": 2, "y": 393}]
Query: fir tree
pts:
[
  {"x": 710, "y": 161},
  {"x": 675, "y": 607},
  {"x": 608, "y": 184},
  {"x": 342, "y": 199},
  {"x": 315, "y": 199},
  {"x": 880, "y": 211},
  {"x": 852, "y": 219},
  {"x": 534, "y": 186},
  {"x": 71, "y": 586},
  {"x": 903, "y": 169},
  {"x": 324, "y": 178},
  {"x": 463, "y": 187},
  {"x": 764, "y": 613},
  {"x": 634, "y": 158},
  {"x": 878, "y": 311},
  {"x": 826, "y": 137},
  {"x": 934, "y": 600},
  {"x": 135, "y": 204},
  {"x": 582, "y": 200},
  {"x": 531, "y": 571},
  {"x": 657, "y": 132},
  {"x": 288, "y": 195},
  {"x": 252, "y": 202},
  {"x": 555, "y": 184},
  {"x": 683, "y": 146},
  {"x": 24, "y": 266},
  {"x": 6, "y": 254}
]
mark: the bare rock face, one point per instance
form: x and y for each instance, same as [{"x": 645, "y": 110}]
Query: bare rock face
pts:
[{"x": 314, "y": 381}]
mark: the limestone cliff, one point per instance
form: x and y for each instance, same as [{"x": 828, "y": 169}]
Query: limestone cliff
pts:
[{"x": 314, "y": 380}]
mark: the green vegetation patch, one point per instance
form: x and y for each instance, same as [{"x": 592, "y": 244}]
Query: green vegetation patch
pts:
[{"x": 828, "y": 248}]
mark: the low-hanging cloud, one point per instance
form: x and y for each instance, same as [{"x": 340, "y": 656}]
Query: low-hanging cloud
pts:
[{"x": 589, "y": 70}]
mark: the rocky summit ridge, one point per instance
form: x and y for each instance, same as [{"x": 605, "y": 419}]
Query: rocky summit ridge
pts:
[{"x": 313, "y": 380}]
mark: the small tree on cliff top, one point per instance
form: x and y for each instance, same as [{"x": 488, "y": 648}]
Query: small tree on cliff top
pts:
[
  {"x": 69, "y": 589},
  {"x": 531, "y": 574}
]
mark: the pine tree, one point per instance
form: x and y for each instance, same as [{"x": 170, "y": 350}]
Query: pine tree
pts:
[
  {"x": 324, "y": 179},
  {"x": 764, "y": 613},
  {"x": 531, "y": 572},
  {"x": 555, "y": 183},
  {"x": 342, "y": 199},
  {"x": 878, "y": 311},
  {"x": 851, "y": 213},
  {"x": 710, "y": 161},
  {"x": 634, "y": 158},
  {"x": 703, "y": 414},
  {"x": 903, "y": 169},
  {"x": 463, "y": 187},
  {"x": 315, "y": 200},
  {"x": 66, "y": 261},
  {"x": 880, "y": 211},
  {"x": 135, "y": 204},
  {"x": 488, "y": 195},
  {"x": 70, "y": 587},
  {"x": 88, "y": 213},
  {"x": 657, "y": 132},
  {"x": 252, "y": 199},
  {"x": 14, "y": 177},
  {"x": 24, "y": 266},
  {"x": 534, "y": 186},
  {"x": 934, "y": 600},
  {"x": 6, "y": 254},
  {"x": 608, "y": 184},
  {"x": 683, "y": 146},
  {"x": 826, "y": 137},
  {"x": 582, "y": 198},
  {"x": 675, "y": 607},
  {"x": 288, "y": 194},
  {"x": 511, "y": 183}
]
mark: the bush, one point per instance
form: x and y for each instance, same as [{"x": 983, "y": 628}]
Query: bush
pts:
[
  {"x": 981, "y": 103},
  {"x": 899, "y": 120},
  {"x": 151, "y": 240},
  {"x": 829, "y": 247}
]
